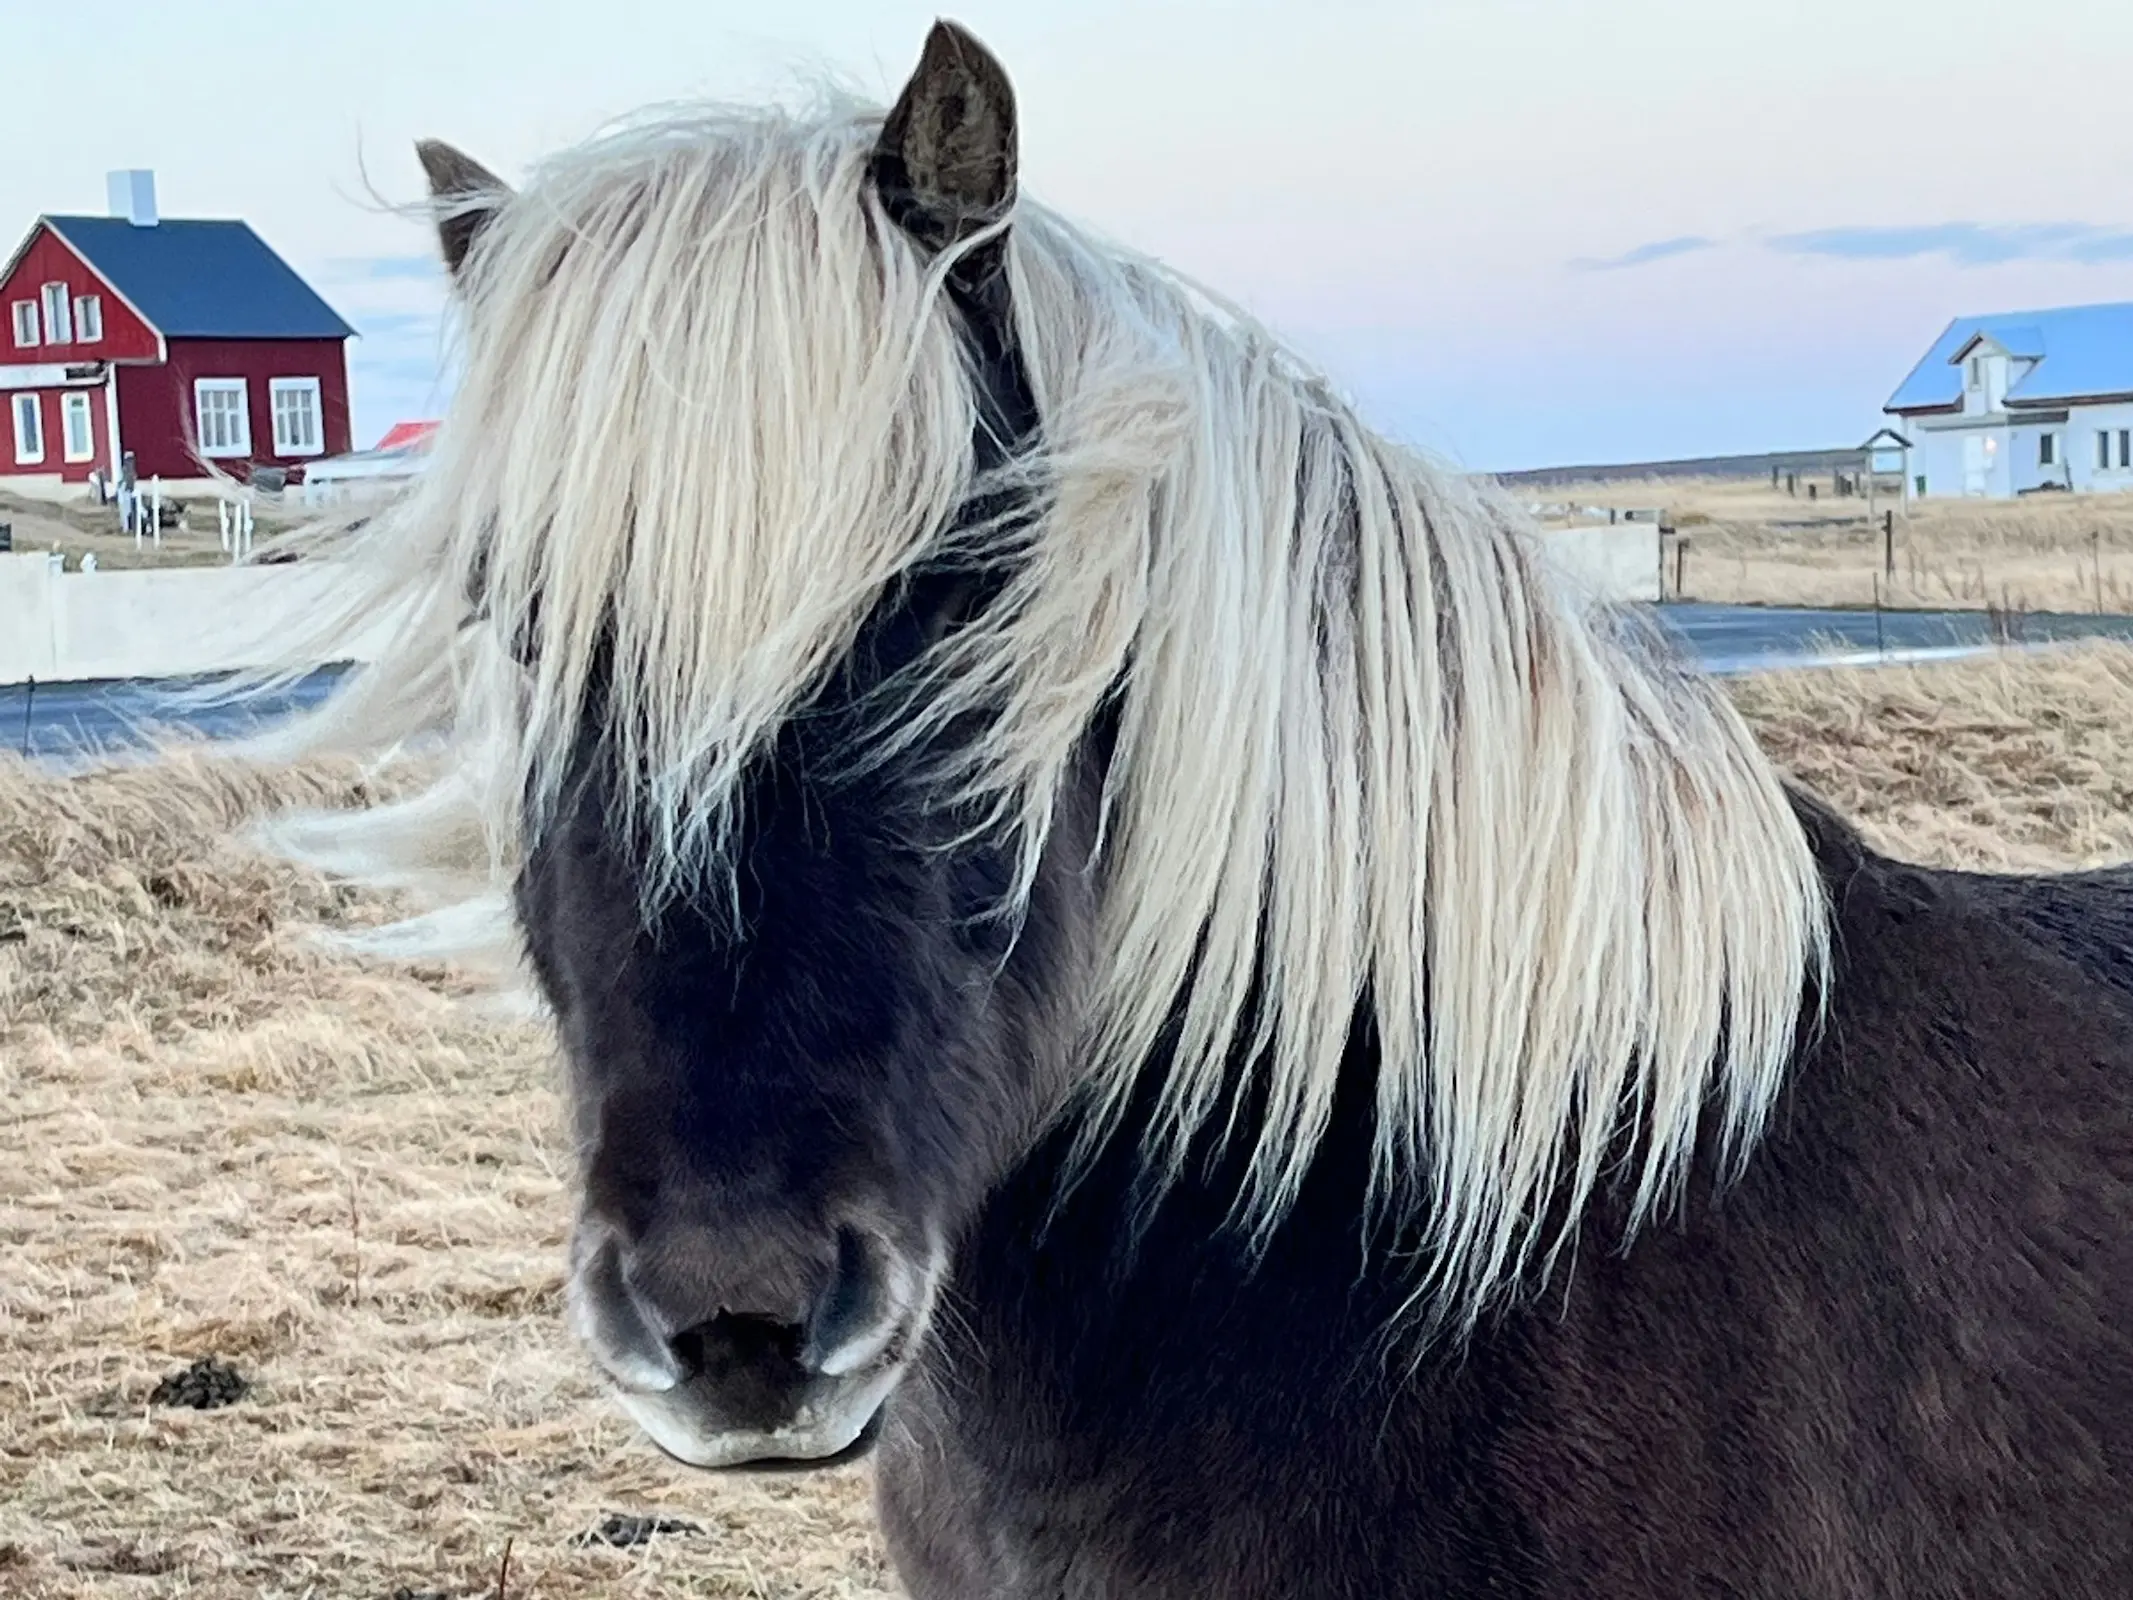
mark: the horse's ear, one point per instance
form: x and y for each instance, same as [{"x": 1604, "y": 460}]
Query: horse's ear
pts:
[
  {"x": 945, "y": 163},
  {"x": 463, "y": 193}
]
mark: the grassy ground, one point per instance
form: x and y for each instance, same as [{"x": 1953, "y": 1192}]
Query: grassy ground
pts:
[
  {"x": 218, "y": 1140},
  {"x": 77, "y": 528},
  {"x": 1748, "y": 543}
]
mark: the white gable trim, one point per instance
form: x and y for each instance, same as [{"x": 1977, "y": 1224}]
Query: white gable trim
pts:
[{"x": 1973, "y": 342}]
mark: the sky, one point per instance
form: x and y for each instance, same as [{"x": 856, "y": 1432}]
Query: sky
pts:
[{"x": 1520, "y": 233}]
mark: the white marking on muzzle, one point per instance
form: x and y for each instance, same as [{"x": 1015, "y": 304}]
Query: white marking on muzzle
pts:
[{"x": 826, "y": 1423}]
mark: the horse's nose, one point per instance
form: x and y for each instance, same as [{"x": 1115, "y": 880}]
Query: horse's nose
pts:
[{"x": 678, "y": 1311}]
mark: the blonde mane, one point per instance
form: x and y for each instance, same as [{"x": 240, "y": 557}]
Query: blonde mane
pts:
[{"x": 1372, "y": 752}]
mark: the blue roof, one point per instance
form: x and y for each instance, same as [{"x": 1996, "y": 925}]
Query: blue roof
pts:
[
  {"x": 2082, "y": 353},
  {"x": 202, "y": 280}
]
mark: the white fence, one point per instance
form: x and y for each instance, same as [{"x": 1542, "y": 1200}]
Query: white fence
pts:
[{"x": 167, "y": 622}]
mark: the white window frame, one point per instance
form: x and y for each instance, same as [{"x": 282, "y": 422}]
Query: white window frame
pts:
[
  {"x": 56, "y": 298},
  {"x": 27, "y": 325},
  {"x": 29, "y": 442},
  {"x": 88, "y": 319},
  {"x": 2047, "y": 449},
  {"x": 2103, "y": 449},
  {"x": 284, "y": 446},
  {"x": 75, "y": 403},
  {"x": 224, "y": 449}
]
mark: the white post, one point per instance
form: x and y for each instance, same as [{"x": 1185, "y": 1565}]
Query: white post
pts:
[
  {"x": 155, "y": 509},
  {"x": 222, "y": 518}
]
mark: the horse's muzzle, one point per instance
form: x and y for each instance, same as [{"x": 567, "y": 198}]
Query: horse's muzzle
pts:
[{"x": 803, "y": 1383}]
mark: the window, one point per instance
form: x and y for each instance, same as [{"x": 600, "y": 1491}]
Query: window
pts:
[
  {"x": 2103, "y": 449},
  {"x": 88, "y": 319},
  {"x": 25, "y": 324},
  {"x": 296, "y": 417},
  {"x": 58, "y": 326},
  {"x": 2047, "y": 449},
  {"x": 1977, "y": 372},
  {"x": 223, "y": 414},
  {"x": 1921, "y": 486},
  {"x": 77, "y": 435},
  {"x": 29, "y": 430},
  {"x": 2125, "y": 447}
]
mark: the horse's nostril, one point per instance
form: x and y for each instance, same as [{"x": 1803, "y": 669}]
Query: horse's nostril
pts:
[
  {"x": 730, "y": 1346},
  {"x": 848, "y": 1328}
]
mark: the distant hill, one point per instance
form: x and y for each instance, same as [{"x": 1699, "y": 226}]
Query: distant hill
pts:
[{"x": 1758, "y": 466}]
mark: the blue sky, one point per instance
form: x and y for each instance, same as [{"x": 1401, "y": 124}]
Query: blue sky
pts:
[{"x": 1522, "y": 232}]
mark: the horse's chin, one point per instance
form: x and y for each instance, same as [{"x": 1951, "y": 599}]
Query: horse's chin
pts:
[{"x": 834, "y": 1422}]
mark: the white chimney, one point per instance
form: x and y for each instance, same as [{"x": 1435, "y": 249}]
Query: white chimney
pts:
[{"x": 133, "y": 196}]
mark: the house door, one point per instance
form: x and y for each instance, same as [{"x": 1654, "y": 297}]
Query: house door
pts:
[{"x": 1977, "y": 466}]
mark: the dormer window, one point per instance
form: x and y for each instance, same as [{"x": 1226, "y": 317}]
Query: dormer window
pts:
[{"x": 1985, "y": 377}]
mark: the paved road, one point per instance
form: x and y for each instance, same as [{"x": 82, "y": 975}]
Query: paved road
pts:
[
  {"x": 65, "y": 720},
  {"x": 60, "y": 721},
  {"x": 1758, "y": 638}
]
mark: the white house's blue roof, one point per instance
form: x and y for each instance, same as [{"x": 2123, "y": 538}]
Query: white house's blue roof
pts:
[{"x": 2082, "y": 353}]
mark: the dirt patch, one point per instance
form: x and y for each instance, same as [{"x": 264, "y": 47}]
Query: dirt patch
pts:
[
  {"x": 626, "y": 1533},
  {"x": 120, "y": 1560},
  {"x": 206, "y": 1385}
]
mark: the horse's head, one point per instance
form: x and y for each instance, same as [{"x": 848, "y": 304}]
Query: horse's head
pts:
[{"x": 794, "y": 1077}]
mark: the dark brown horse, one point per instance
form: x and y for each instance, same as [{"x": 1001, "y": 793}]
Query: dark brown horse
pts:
[{"x": 1130, "y": 944}]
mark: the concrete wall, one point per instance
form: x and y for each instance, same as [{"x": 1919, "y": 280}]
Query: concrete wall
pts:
[
  {"x": 62, "y": 627},
  {"x": 1618, "y": 563}
]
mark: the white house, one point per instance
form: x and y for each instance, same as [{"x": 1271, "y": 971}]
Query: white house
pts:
[{"x": 2010, "y": 404}]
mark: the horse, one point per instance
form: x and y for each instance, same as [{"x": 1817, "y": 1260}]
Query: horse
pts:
[{"x": 1134, "y": 949}]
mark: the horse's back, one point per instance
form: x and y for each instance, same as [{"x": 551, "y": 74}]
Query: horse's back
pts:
[
  {"x": 1898, "y": 1357},
  {"x": 2085, "y": 918}
]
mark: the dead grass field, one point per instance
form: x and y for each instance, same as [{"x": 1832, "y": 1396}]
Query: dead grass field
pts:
[
  {"x": 219, "y": 1140},
  {"x": 76, "y": 528},
  {"x": 1753, "y": 545}
]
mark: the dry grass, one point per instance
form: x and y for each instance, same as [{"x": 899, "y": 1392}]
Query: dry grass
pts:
[
  {"x": 76, "y": 528},
  {"x": 219, "y": 1139},
  {"x": 1753, "y": 545},
  {"x": 2014, "y": 762}
]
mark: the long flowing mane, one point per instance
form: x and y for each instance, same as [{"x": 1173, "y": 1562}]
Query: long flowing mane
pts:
[{"x": 1374, "y": 756}]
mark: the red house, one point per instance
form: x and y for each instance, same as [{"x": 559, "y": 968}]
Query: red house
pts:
[{"x": 176, "y": 342}]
